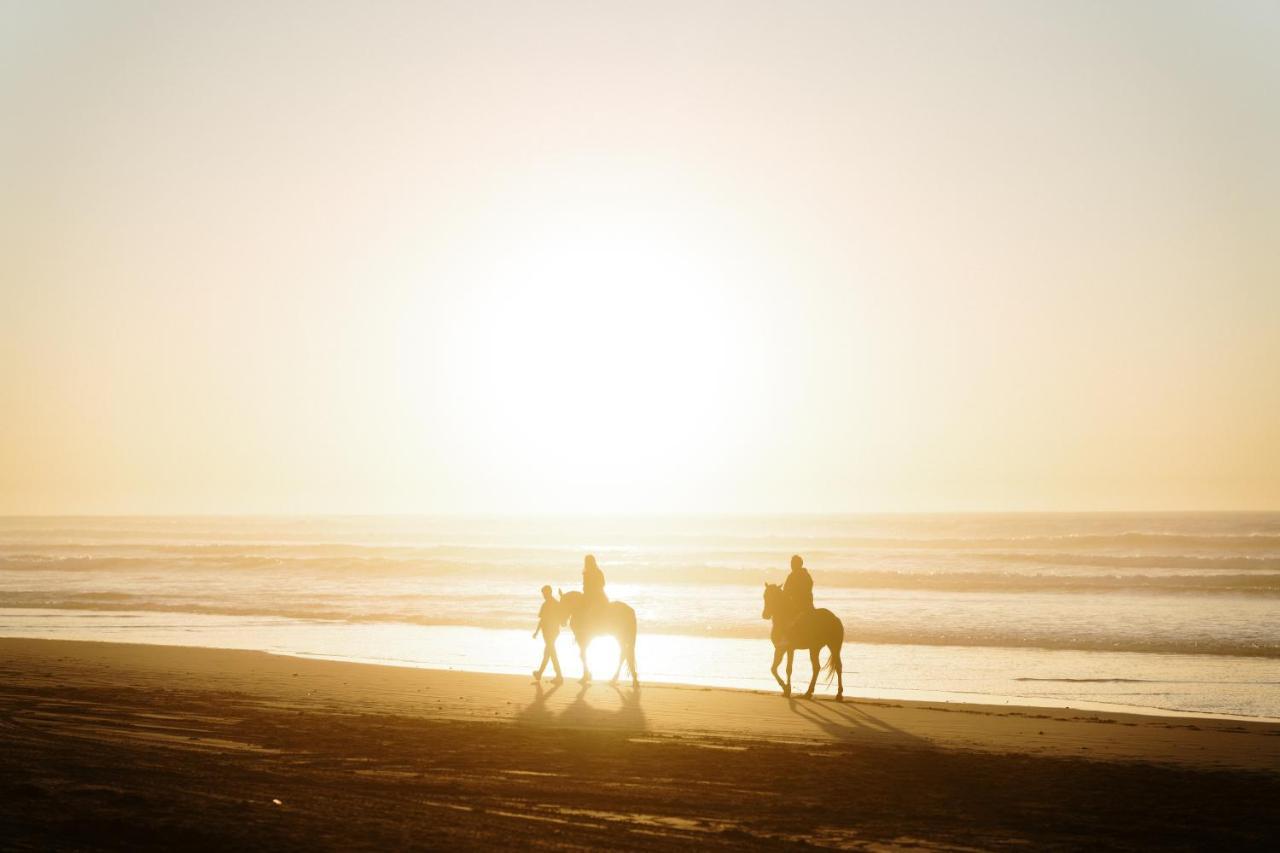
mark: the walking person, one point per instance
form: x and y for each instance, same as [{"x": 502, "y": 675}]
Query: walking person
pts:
[{"x": 549, "y": 625}]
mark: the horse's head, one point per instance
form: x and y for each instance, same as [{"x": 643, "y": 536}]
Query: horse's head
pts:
[
  {"x": 570, "y": 603},
  {"x": 772, "y": 600}
]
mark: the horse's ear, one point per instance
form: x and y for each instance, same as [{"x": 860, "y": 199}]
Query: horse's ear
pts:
[{"x": 560, "y": 591}]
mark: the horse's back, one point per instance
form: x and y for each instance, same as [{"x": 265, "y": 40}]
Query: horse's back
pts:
[
  {"x": 615, "y": 618},
  {"x": 822, "y": 628},
  {"x": 623, "y": 618}
]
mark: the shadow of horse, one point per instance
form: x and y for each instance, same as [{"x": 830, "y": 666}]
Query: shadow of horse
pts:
[
  {"x": 845, "y": 722},
  {"x": 627, "y": 715}
]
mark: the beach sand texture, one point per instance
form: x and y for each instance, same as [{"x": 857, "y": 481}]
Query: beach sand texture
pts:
[{"x": 113, "y": 746}]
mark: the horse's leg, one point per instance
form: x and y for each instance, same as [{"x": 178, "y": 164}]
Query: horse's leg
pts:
[
  {"x": 839, "y": 664},
  {"x": 813, "y": 679},
  {"x": 631, "y": 663},
  {"x": 777, "y": 659},
  {"x": 622, "y": 656},
  {"x": 791, "y": 659},
  {"x": 582, "y": 649}
]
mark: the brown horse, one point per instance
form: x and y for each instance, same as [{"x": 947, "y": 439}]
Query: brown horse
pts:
[
  {"x": 794, "y": 629},
  {"x": 612, "y": 619}
]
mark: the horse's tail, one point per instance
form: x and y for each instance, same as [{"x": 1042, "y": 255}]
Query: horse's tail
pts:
[
  {"x": 627, "y": 636},
  {"x": 834, "y": 664},
  {"x": 631, "y": 628}
]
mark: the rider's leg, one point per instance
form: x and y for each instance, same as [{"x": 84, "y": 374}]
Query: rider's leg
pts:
[
  {"x": 555, "y": 663},
  {"x": 542, "y": 667}
]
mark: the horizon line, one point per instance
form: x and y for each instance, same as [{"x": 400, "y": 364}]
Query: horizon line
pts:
[{"x": 636, "y": 513}]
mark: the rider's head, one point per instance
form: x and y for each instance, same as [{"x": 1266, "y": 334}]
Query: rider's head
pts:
[
  {"x": 546, "y": 592},
  {"x": 590, "y": 563},
  {"x": 797, "y": 562}
]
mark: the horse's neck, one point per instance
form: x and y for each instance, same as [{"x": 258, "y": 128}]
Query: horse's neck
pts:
[
  {"x": 784, "y": 612},
  {"x": 781, "y": 618}
]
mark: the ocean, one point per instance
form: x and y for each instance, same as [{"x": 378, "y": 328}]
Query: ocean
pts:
[{"x": 1176, "y": 612}]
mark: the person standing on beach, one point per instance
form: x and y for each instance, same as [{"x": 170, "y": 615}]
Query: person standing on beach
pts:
[{"x": 549, "y": 625}]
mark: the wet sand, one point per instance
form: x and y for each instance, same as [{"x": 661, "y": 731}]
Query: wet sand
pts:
[{"x": 122, "y": 746}]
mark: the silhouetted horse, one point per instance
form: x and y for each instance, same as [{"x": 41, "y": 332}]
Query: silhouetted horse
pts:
[
  {"x": 794, "y": 629},
  {"x": 612, "y": 619}
]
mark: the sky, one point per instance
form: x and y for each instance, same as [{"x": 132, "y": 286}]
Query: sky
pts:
[{"x": 676, "y": 257}]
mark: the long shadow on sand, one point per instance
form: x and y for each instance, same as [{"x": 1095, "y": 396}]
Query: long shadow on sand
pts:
[
  {"x": 536, "y": 712},
  {"x": 845, "y": 721},
  {"x": 616, "y": 708}
]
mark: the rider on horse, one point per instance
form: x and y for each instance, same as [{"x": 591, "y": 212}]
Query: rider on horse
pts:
[
  {"x": 593, "y": 582},
  {"x": 593, "y": 597},
  {"x": 592, "y": 614},
  {"x": 799, "y": 584}
]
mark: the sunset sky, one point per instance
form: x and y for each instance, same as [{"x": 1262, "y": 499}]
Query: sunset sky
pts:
[{"x": 608, "y": 257}]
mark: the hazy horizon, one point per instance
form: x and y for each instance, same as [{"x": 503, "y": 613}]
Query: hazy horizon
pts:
[
  {"x": 716, "y": 258},
  {"x": 658, "y": 514}
]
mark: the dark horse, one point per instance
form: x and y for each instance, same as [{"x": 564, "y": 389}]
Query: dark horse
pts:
[
  {"x": 793, "y": 630},
  {"x": 612, "y": 619}
]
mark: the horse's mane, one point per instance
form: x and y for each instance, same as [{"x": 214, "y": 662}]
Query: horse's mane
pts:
[{"x": 569, "y": 602}]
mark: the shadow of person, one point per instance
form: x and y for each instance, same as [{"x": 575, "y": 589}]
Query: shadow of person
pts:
[{"x": 536, "y": 712}]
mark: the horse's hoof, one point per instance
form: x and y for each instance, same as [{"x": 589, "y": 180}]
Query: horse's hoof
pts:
[
  {"x": 786, "y": 692},
  {"x": 809, "y": 695},
  {"x": 840, "y": 696}
]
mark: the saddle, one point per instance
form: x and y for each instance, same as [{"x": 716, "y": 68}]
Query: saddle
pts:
[{"x": 796, "y": 634}]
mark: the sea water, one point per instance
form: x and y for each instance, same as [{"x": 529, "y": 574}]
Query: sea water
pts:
[{"x": 1168, "y": 611}]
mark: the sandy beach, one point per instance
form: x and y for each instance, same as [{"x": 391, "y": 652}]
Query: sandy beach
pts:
[{"x": 116, "y": 746}]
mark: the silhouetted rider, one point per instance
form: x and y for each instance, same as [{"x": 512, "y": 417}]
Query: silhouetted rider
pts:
[
  {"x": 799, "y": 585},
  {"x": 593, "y": 582}
]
